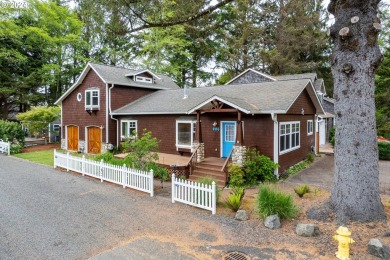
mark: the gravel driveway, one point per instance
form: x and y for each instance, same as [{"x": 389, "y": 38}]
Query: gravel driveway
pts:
[{"x": 50, "y": 214}]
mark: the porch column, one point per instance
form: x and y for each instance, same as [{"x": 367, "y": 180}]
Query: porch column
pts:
[
  {"x": 198, "y": 134},
  {"x": 239, "y": 136}
]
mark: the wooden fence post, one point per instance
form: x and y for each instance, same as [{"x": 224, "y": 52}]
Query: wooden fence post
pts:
[
  {"x": 124, "y": 175},
  {"x": 173, "y": 187},
  {"x": 55, "y": 165},
  {"x": 214, "y": 196},
  {"x": 67, "y": 161},
  {"x": 151, "y": 183},
  {"x": 83, "y": 165},
  {"x": 101, "y": 170}
]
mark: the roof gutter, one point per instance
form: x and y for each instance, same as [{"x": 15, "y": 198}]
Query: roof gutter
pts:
[{"x": 111, "y": 115}]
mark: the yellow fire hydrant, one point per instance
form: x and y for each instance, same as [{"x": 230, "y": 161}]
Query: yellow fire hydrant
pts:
[{"x": 344, "y": 238}]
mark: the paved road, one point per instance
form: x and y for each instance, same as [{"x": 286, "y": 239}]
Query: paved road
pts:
[{"x": 50, "y": 214}]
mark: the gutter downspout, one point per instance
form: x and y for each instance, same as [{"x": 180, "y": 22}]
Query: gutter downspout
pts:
[
  {"x": 274, "y": 118},
  {"x": 110, "y": 111}
]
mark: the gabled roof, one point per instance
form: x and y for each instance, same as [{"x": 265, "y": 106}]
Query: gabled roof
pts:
[
  {"x": 256, "y": 98},
  {"x": 117, "y": 76},
  {"x": 263, "y": 75},
  {"x": 135, "y": 73}
]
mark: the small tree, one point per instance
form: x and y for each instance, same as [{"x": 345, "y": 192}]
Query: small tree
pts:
[
  {"x": 142, "y": 151},
  {"x": 11, "y": 131},
  {"x": 39, "y": 118}
]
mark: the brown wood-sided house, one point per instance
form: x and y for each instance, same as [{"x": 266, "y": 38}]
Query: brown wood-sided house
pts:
[{"x": 275, "y": 115}]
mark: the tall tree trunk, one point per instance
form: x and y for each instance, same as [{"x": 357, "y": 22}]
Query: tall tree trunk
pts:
[{"x": 356, "y": 56}]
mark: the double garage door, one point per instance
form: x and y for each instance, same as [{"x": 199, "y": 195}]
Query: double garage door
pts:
[{"x": 94, "y": 139}]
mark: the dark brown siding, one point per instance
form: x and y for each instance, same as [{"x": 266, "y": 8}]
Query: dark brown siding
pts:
[
  {"x": 73, "y": 111},
  {"x": 123, "y": 95},
  {"x": 303, "y": 101},
  {"x": 306, "y": 141}
]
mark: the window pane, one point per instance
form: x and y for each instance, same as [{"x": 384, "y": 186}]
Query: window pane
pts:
[
  {"x": 288, "y": 129},
  {"x": 287, "y": 142},
  {"x": 88, "y": 98},
  {"x": 282, "y": 129},
  {"x": 297, "y": 139},
  {"x": 282, "y": 143},
  {"x": 95, "y": 101},
  {"x": 229, "y": 133},
  {"x": 124, "y": 128},
  {"x": 184, "y": 134}
]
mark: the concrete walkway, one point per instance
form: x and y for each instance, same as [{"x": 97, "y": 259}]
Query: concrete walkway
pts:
[{"x": 320, "y": 174}]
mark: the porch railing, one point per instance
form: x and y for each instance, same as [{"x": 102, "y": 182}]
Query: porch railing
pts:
[
  {"x": 193, "y": 159},
  {"x": 228, "y": 159}
]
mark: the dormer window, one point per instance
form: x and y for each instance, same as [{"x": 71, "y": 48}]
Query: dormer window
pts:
[
  {"x": 143, "y": 79},
  {"x": 92, "y": 99}
]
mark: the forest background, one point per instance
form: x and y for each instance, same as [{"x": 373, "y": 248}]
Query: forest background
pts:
[{"x": 44, "y": 45}]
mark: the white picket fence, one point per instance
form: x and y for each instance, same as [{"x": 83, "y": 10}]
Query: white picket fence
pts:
[
  {"x": 194, "y": 194},
  {"x": 5, "y": 147},
  {"x": 127, "y": 177}
]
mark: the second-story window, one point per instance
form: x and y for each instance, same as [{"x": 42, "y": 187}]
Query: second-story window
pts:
[{"x": 92, "y": 99}]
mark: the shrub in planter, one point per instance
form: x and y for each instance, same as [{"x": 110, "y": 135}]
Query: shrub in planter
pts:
[
  {"x": 259, "y": 168},
  {"x": 236, "y": 175},
  {"x": 384, "y": 150},
  {"x": 271, "y": 201}
]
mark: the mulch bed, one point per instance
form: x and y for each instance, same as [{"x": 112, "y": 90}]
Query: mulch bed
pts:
[{"x": 40, "y": 147}]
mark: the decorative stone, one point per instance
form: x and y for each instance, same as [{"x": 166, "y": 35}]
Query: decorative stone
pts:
[
  {"x": 307, "y": 230},
  {"x": 272, "y": 222},
  {"x": 82, "y": 146},
  {"x": 63, "y": 144},
  {"x": 376, "y": 248},
  {"x": 241, "y": 215}
]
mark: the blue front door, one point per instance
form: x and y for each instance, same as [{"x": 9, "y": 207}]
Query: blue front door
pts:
[{"x": 228, "y": 137}]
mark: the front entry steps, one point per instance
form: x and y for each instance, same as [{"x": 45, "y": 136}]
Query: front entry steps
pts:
[{"x": 210, "y": 167}]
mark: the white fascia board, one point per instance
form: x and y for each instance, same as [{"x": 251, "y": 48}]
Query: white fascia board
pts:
[
  {"x": 220, "y": 99},
  {"x": 143, "y": 71},
  {"x": 149, "y": 113},
  {"x": 245, "y": 71},
  {"x": 131, "y": 85},
  {"x": 78, "y": 82}
]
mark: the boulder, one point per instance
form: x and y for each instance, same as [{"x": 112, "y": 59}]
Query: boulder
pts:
[
  {"x": 307, "y": 230},
  {"x": 376, "y": 248},
  {"x": 272, "y": 222},
  {"x": 241, "y": 215}
]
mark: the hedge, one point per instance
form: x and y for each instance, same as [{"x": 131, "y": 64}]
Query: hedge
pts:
[{"x": 384, "y": 150}]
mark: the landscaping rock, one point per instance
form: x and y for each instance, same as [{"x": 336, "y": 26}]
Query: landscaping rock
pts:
[
  {"x": 376, "y": 248},
  {"x": 307, "y": 230},
  {"x": 241, "y": 215},
  {"x": 272, "y": 222}
]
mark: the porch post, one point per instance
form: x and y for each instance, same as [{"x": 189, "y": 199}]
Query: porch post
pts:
[
  {"x": 239, "y": 136},
  {"x": 198, "y": 134}
]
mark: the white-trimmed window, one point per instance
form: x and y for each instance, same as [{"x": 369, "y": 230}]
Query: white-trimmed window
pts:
[
  {"x": 143, "y": 79},
  {"x": 185, "y": 133},
  {"x": 92, "y": 99},
  {"x": 289, "y": 136},
  {"x": 128, "y": 127},
  {"x": 309, "y": 127}
]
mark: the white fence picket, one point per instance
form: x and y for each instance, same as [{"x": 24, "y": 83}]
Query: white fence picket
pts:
[
  {"x": 5, "y": 147},
  {"x": 194, "y": 194},
  {"x": 132, "y": 178}
]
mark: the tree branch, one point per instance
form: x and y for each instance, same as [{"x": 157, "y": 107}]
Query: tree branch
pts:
[{"x": 185, "y": 20}]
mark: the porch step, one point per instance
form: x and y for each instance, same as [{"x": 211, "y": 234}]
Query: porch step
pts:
[{"x": 202, "y": 171}]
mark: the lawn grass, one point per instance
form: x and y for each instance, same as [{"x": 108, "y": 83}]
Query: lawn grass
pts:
[{"x": 43, "y": 157}]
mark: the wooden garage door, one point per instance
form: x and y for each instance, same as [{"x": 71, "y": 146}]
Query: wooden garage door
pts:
[
  {"x": 73, "y": 137},
  {"x": 94, "y": 139}
]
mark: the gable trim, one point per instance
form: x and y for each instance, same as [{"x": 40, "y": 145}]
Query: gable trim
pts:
[
  {"x": 247, "y": 70},
  {"x": 83, "y": 74},
  {"x": 313, "y": 96},
  {"x": 143, "y": 71},
  {"x": 219, "y": 99}
]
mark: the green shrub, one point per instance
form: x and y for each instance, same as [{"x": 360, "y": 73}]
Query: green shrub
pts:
[
  {"x": 310, "y": 157},
  {"x": 270, "y": 201},
  {"x": 236, "y": 175},
  {"x": 332, "y": 134},
  {"x": 109, "y": 158},
  {"x": 259, "y": 168},
  {"x": 384, "y": 150},
  {"x": 209, "y": 181},
  {"x": 302, "y": 190},
  {"x": 15, "y": 148},
  {"x": 297, "y": 167},
  {"x": 233, "y": 201},
  {"x": 12, "y": 132},
  {"x": 239, "y": 191}
]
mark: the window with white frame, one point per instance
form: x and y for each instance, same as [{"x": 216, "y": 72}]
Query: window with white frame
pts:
[
  {"x": 309, "y": 127},
  {"x": 128, "y": 128},
  {"x": 185, "y": 133},
  {"x": 143, "y": 79},
  {"x": 289, "y": 136},
  {"x": 92, "y": 99}
]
